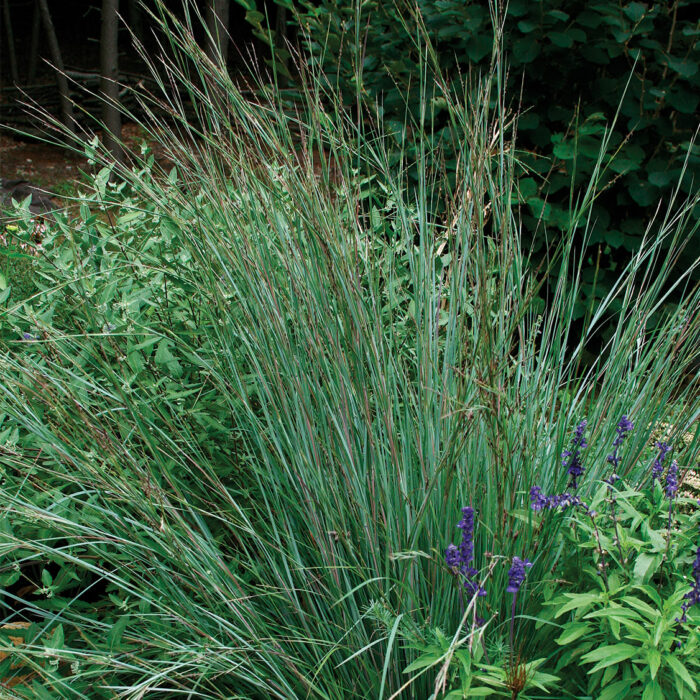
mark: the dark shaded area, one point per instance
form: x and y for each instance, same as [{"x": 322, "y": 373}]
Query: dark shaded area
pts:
[
  {"x": 25, "y": 55},
  {"x": 19, "y": 190},
  {"x": 77, "y": 26}
]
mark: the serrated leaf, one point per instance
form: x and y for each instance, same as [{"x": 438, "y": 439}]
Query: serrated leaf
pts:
[
  {"x": 564, "y": 151},
  {"x": 115, "y": 634},
  {"x": 56, "y": 640},
  {"x": 165, "y": 358}
]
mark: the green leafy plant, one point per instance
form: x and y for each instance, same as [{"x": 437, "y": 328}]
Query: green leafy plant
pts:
[{"x": 625, "y": 601}]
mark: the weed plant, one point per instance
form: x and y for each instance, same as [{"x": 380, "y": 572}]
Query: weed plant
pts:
[{"x": 251, "y": 393}]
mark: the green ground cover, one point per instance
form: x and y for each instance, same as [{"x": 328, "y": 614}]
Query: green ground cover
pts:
[{"x": 249, "y": 397}]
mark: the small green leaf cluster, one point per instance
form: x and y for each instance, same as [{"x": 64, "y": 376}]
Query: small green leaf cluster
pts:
[{"x": 465, "y": 671}]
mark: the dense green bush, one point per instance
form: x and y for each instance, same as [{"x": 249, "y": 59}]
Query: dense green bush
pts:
[{"x": 571, "y": 67}]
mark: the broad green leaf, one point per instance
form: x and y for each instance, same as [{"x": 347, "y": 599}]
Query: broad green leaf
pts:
[
  {"x": 635, "y": 11},
  {"x": 165, "y": 358},
  {"x": 645, "y": 566},
  {"x": 616, "y": 690},
  {"x": 610, "y": 654},
  {"x": 613, "y": 612},
  {"x": 654, "y": 661},
  {"x": 653, "y": 691},
  {"x": 478, "y": 691},
  {"x": 115, "y": 634},
  {"x": 561, "y": 39},
  {"x": 423, "y": 661},
  {"x": 56, "y": 640},
  {"x": 572, "y": 632},
  {"x": 680, "y": 670},
  {"x": 683, "y": 67},
  {"x": 581, "y": 601}
]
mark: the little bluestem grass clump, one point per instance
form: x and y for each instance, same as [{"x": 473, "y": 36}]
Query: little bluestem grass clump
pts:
[{"x": 261, "y": 390}]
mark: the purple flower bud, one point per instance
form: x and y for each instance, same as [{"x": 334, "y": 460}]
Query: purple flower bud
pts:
[
  {"x": 461, "y": 557},
  {"x": 571, "y": 459},
  {"x": 466, "y": 525},
  {"x": 672, "y": 481},
  {"x": 692, "y": 597},
  {"x": 516, "y": 574},
  {"x": 452, "y": 556},
  {"x": 657, "y": 468},
  {"x": 537, "y": 500},
  {"x": 623, "y": 427}
]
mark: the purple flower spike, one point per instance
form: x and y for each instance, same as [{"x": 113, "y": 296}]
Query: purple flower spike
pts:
[
  {"x": 452, "y": 556},
  {"x": 571, "y": 458},
  {"x": 466, "y": 525},
  {"x": 462, "y": 556},
  {"x": 693, "y": 596},
  {"x": 516, "y": 574},
  {"x": 623, "y": 427},
  {"x": 657, "y": 468},
  {"x": 672, "y": 481},
  {"x": 537, "y": 500}
]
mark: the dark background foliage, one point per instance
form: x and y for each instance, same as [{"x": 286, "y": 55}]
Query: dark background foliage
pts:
[{"x": 570, "y": 63}]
